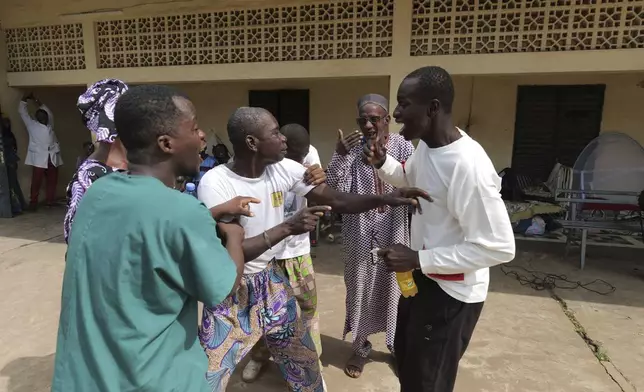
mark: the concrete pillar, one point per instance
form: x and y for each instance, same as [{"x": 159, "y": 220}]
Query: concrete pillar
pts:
[
  {"x": 394, "y": 83},
  {"x": 91, "y": 61},
  {"x": 403, "y": 10},
  {"x": 91, "y": 134},
  {"x": 89, "y": 43}
]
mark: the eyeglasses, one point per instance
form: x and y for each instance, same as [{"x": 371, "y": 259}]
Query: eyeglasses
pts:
[{"x": 362, "y": 121}]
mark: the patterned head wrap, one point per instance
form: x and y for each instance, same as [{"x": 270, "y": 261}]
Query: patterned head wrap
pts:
[
  {"x": 375, "y": 99},
  {"x": 97, "y": 108}
]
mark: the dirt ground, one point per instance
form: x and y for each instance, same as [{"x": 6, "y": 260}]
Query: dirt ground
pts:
[{"x": 526, "y": 340}]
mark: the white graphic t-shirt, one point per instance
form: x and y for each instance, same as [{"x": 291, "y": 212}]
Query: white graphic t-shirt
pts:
[
  {"x": 298, "y": 245},
  {"x": 220, "y": 184}
]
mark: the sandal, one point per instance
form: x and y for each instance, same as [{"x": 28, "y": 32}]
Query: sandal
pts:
[{"x": 354, "y": 366}]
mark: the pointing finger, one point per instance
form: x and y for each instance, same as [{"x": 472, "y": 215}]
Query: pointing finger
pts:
[
  {"x": 248, "y": 199},
  {"x": 319, "y": 210}
]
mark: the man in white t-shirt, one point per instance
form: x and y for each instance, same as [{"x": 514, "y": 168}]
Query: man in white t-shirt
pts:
[
  {"x": 295, "y": 259},
  {"x": 264, "y": 306},
  {"x": 463, "y": 232}
]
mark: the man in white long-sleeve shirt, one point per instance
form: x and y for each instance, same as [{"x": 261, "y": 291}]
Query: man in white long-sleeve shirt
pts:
[
  {"x": 458, "y": 236},
  {"x": 43, "y": 152}
]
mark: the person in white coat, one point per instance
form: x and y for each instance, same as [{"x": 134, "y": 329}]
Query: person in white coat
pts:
[{"x": 43, "y": 153}]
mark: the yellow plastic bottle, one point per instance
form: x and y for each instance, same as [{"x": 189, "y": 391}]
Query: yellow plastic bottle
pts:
[{"x": 407, "y": 284}]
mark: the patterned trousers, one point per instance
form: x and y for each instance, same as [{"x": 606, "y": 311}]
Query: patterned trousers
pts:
[
  {"x": 300, "y": 274},
  {"x": 263, "y": 308}
]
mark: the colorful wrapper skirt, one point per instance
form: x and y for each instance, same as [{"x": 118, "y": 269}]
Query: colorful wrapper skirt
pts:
[
  {"x": 263, "y": 308},
  {"x": 301, "y": 277}
]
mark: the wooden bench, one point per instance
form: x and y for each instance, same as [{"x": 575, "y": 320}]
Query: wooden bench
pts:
[{"x": 600, "y": 225}]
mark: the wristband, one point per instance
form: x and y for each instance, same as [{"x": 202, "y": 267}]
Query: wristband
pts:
[{"x": 267, "y": 240}]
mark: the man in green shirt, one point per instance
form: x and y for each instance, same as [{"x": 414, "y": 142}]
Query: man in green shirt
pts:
[{"x": 140, "y": 256}]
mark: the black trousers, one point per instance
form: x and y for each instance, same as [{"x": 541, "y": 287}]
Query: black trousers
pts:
[{"x": 432, "y": 333}]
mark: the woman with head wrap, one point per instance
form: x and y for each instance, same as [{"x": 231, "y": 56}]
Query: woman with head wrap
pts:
[
  {"x": 96, "y": 106},
  {"x": 372, "y": 291}
]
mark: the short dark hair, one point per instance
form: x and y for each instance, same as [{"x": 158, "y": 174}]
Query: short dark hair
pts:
[
  {"x": 143, "y": 114},
  {"x": 243, "y": 122},
  {"x": 41, "y": 113},
  {"x": 434, "y": 83},
  {"x": 296, "y": 134},
  {"x": 220, "y": 146}
]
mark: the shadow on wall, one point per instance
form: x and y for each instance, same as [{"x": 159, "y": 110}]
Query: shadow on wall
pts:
[{"x": 29, "y": 374}]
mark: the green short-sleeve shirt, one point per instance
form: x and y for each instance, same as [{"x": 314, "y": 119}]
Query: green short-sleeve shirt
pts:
[{"x": 140, "y": 256}]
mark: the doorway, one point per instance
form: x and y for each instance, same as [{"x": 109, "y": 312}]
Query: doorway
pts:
[
  {"x": 287, "y": 106},
  {"x": 554, "y": 124}
]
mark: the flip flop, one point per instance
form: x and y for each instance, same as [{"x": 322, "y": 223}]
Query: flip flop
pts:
[{"x": 355, "y": 366}]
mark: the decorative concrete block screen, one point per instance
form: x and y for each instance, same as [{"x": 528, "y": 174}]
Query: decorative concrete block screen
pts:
[
  {"x": 445, "y": 27},
  {"x": 317, "y": 31},
  {"x": 45, "y": 48}
]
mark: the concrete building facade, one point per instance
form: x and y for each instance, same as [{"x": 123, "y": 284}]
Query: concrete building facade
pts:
[{"x": 535, "y": 80}]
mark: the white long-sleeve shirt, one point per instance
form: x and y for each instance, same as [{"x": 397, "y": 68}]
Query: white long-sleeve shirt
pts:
[
  {"x": 466, "y": 229},
  {"x": 43, "y": 144}
]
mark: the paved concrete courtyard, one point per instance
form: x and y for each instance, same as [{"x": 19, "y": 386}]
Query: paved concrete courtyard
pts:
[{"x": 527, "y": 340}]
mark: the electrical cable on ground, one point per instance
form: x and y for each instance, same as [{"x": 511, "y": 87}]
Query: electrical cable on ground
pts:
[{"x": 538, "y": 280}]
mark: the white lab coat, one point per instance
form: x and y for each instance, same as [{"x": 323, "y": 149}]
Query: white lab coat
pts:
[{"x": 43, "y": 144}]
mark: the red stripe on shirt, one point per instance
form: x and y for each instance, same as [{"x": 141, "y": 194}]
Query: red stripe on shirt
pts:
[{"x": 449, "y": 277}]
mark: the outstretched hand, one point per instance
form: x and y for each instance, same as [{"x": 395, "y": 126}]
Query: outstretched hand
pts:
[
  {"x": 238, "y": 206},
  {"x": 346, "y": 144},
  {"x": 314, "y": 175},
  {"x": 306, "y": 219},
  {"x": 408, "y": 196},
  {"x": 374, "y": 152}
]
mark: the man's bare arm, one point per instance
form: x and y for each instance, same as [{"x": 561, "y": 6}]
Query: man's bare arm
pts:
[
  {"x": 344, "y": 203},
  {"x": 303, "y": 221},
  {"x": 255, "y": 246},
  {"x": 352, "y": 203}
]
